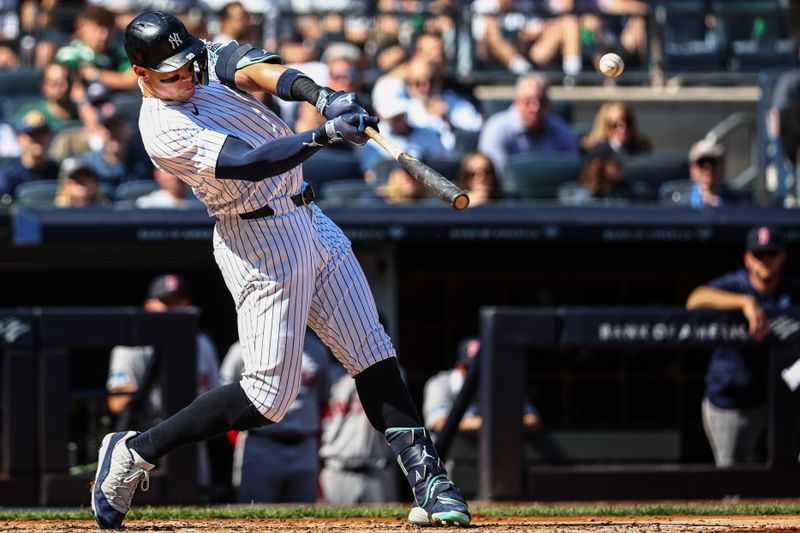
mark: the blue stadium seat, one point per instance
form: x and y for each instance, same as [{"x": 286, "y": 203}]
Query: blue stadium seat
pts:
[
  {"x": 538, "y": 177},
  {"x": 446, "y": 167},
  {"x": 675, "y": 192},
  {"x": 343, "y": 192},
  {"x": 688, "y": 44},
  {"x": 646, "y": 172},
  {"x": 330, "y": 165},
  {"x": 36, "y": 193},
  {"x": 131, "y": 190},
  {"x": 22, "y": 81},
  {"x": 466, "y": 141}
]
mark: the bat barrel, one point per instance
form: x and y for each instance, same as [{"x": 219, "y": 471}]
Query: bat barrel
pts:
[{"x": 441, "y": 187}]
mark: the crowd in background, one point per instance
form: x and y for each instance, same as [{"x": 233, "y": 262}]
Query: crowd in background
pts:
[{"x": 77, "y": 144}]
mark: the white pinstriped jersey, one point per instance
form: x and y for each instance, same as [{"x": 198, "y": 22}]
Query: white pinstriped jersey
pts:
[{"x": 185, "y": 138}]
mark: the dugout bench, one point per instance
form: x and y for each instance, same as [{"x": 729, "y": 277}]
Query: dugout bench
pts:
[
  {"x": 41, "y": 353},
  {"x": 510, "y": 335}
]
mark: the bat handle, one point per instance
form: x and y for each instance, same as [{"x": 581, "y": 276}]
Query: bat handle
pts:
[{"x": 393, "y": 150}]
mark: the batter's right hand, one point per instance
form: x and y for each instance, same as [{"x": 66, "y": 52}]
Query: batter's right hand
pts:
[{"x": 351, "y": 127}]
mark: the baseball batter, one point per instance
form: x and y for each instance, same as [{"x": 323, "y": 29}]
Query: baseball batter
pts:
[{"x": 285, "y": 263}]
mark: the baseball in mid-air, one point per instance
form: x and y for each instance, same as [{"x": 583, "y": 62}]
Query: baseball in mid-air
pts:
[{"x": 611, "y": 65}]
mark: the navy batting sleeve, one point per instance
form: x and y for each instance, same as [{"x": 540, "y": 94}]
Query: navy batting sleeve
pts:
[{"x": 238, "y": 160}]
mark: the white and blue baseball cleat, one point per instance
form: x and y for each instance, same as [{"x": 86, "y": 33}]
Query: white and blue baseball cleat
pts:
[
  {"x": 437, "y": 501},
  {"x": 119, "y": 471},
  {"x": 443, "y": 506}
]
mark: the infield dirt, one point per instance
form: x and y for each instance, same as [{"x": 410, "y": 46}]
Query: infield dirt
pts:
[{"x": 688, "y": 524}]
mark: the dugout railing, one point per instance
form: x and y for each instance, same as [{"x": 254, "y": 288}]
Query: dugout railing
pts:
[
  {"x": 509, "y": 336},
  {"x": 42, "y": 351}
]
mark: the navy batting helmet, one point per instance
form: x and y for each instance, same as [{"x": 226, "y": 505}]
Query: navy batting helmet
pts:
[{"x": 158, "y": 41}]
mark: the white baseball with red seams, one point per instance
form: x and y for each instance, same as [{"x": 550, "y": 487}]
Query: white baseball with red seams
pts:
[{"x": 611, "y": 65}]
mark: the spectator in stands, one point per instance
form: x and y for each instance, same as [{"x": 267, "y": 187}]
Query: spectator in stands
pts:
[
  {"x": 172, "y": 193},
  {"x": 400, "y": 188},
  {"x": 9, "y": 60},
  {"x": 113, "y": 163},
  {"x": 516, "y": 35},
  {"x": 343, "y": 62},
  {"x": 615, "y": 126},
  {"x": 131, "y": 367},
  {"x": 357, "y": 465},
  {"x": 707, "y": 170},
  {"x": 279, "y": 463},
  {"x": 94, "y": 53},
  {"x": 442, "y": 390},
  {"x": 431, "y": 106},
  {"x": 418, "y": 142},
  {"x": 90, "y": 134},
  {"x": 615, "y": 25},
  {"x": 60, "y": 97},
  {"x": 602, "y": 178},
  {"x": 478, "y": 178},
  {"x": 77, "y": 185},
  {"x": 234, "y": 24},
  {"x": 527, "y": 127},
  {"x": 783, "y": 129},
  {"x": 40, "y": 32},
  {"x": 33, "y": 135},
  {"x": 734, "y": 402}
]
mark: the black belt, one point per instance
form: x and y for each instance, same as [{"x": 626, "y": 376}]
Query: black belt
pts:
[{"x": 305, "y": 197}]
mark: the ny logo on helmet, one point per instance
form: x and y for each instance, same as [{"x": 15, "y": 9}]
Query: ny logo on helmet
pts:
[{"x": 175, "y": 40}]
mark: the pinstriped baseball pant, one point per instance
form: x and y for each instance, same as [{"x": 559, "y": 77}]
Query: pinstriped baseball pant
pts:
[{"x": 285, "y": 271}]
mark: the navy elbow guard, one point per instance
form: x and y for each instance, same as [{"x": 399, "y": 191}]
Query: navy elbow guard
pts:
[{"x": 234, "y": 56}]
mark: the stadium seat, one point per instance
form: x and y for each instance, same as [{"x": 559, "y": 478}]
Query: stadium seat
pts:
[
  {"x": 23, "y": 81},
  {"x": 446, "y": 167},
  {"x": 128, "y": 105},
  {"x": 131, "y": 190},
  {"x": 330, "y": 165},
  {"x": 12, "y": 104},
  {"x": 539, "y": 177},
  {"x": 466, "y": 141},
  {"x": 688, "y": 44},
  {"x": 343, "y": 192},
  {"x": 36, "y": 193},
  {"x": 647, "y": 172},
  {"x": 757, "y": 35},
  {"x": 675, "y": 192}
]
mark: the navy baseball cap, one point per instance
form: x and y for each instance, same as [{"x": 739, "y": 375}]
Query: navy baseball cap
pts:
[
  {"x": 764, "y": 239},
  {"x": 167, "y": 285},
  {"x": 97, "y": 93}
]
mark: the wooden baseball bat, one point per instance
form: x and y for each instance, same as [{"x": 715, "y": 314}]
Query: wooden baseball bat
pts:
[{"x": 443, "y": 188}]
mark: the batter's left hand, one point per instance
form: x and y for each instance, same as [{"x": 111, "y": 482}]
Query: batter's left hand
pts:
[
  {"x": 335, "y": 104},
  {"x": 351, "y": 127}
]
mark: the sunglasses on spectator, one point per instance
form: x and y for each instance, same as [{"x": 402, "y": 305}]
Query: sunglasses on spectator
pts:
[
  {"x": 476, "y": 171},
  {"x": 703, "y": 161},
  {"x": 618, "y": 124}
]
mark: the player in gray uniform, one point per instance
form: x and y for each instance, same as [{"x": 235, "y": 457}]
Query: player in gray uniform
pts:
[
  {"x": 358, "y": 467},
  {"x": 279, "y": 463},
  {"x": 285, "y": 263}
]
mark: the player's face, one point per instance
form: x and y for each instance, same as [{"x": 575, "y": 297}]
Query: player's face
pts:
[
  {"x": 765, "y": 266},
  {"x": 177, "y": 85}
]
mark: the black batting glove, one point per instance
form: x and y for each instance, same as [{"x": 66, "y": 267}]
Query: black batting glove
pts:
[
  {"x": 350, "y": 127},
  {"x": 332, "y": 104}
]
